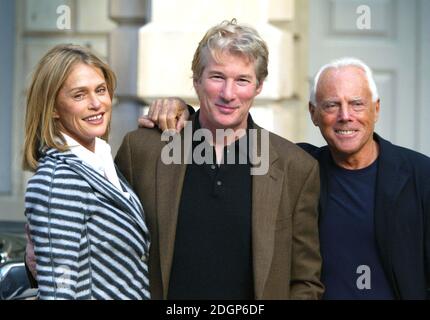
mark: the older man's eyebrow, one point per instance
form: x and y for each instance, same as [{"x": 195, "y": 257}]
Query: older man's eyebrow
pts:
[
  {"x": 356, "y": 99},
  {"x": 330, "y": 100}
]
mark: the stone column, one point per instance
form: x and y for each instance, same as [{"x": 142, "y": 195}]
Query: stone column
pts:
[{"x": 130, "y": 15}]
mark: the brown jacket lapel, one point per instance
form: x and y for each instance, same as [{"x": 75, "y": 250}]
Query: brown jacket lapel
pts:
[
  {"x": 170, "y": 180},
  {"x": 266, "y": 195},
  {"x": 168, "y": 198}
]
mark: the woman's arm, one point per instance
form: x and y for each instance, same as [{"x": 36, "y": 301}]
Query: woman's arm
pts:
[{"x": 55, "y": 213}]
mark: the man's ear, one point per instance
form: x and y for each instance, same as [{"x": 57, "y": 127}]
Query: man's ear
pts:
[
  {"x": 259, "y": 88},
  {"x": 195, "y": 83},
  {"x": 377, "y": 108},
  {"x": 312, "y": 113}
]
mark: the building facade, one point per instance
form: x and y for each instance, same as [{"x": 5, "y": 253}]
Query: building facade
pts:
[{"x": 150, "y": 45}]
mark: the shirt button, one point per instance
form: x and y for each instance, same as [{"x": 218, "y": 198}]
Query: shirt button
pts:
[
  {"x": 144, "y": 258},
  {"x": 219, "y": 183},
  {"x": 213, "y": 167}
]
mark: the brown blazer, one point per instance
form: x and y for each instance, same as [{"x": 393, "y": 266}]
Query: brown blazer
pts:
[{"x": 285, "y": 242}]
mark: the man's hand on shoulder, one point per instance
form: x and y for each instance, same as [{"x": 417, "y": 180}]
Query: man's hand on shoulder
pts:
[{"x": 167, "y": 114}]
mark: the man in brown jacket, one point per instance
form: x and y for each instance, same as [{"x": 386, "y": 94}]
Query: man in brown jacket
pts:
[{"x": 222, "y": 226}]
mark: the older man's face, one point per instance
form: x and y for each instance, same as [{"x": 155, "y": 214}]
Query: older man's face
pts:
[{"x": 345, "y": 112}]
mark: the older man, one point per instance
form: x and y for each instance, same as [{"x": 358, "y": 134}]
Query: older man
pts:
[
  {"x": 375, "y": 196},
  {"x": 217, "y": 231}
]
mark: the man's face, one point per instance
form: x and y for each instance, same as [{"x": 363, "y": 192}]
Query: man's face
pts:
[
  {"x": 226, "y": 91},
  {"x": 345, "y": 112}
]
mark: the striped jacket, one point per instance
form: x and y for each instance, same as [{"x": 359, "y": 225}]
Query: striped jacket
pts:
[{"x": 90, "y": 241}]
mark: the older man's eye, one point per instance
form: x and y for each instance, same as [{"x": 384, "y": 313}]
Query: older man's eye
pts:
[
  {"x": 358, "y": 105},
  {"x": 330, "y": 105}
]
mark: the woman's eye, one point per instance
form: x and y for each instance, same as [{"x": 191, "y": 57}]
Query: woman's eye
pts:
[
  {"x": 79, "y": 96},
  {"x": 101, "y": 90}
]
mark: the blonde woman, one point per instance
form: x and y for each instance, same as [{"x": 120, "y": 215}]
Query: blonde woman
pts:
[{"x": 87, "y": 225}]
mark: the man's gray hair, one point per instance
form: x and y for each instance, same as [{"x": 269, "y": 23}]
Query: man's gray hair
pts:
[
  {"x": 229, "y": 36},
  {"x": 340, "y": 63}
]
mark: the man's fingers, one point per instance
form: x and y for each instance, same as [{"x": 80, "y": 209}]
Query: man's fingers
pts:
[
  {"x": 154, "y": 110},
  {"x": 145, "y": 122},
  {"x": 172, "y": 119},
  {"x": 180, "y": 124},
  {"x": 151, "y": 109},
  {"x": 165, "y": 114},
  {"x": 181, "y": 121},
  {"x": 175, "y": 108},
  {"x": 162, "y": 115}
]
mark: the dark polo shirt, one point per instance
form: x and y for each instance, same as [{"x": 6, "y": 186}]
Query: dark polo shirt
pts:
[{"x": 213, "y": 252}]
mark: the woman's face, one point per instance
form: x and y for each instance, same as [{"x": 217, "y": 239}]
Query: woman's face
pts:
[{"x": 83, "y": 106}]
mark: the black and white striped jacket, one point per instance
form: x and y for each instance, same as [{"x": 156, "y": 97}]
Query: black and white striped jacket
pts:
[{"x": 90, "y": 241}]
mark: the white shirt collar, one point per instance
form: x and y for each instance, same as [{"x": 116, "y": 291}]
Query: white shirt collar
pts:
[{"x": 100, "y": 160}]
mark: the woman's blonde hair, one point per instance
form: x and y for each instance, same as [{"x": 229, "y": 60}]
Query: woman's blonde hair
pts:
[
  {"x": 41, "y": 130},
  {"x": 228, "y": 36}
]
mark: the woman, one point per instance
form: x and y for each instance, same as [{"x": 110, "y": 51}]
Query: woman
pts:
[{"x": 87, "y": 225}]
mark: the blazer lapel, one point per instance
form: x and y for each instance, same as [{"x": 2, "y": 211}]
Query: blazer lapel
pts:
[
  {"x": 266, "y": 195},
  {"x": 324, "y": 160},
  {"x": 390, "y": 181},
  {"x": 170, "y": 180}
]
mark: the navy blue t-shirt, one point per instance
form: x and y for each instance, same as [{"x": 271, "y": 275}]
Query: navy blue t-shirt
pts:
[{"x": 351, "y": 265}]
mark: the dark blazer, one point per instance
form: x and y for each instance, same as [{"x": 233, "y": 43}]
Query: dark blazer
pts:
[
  {"x": 285, "y": 244},
  {"x": 402, "y": 215}
]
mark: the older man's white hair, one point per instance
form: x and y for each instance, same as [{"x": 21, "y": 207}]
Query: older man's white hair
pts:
[{"x": 341, "y": 63}]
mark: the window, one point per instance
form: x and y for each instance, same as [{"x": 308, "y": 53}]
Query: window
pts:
[{"x": 7, "y": 36}]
